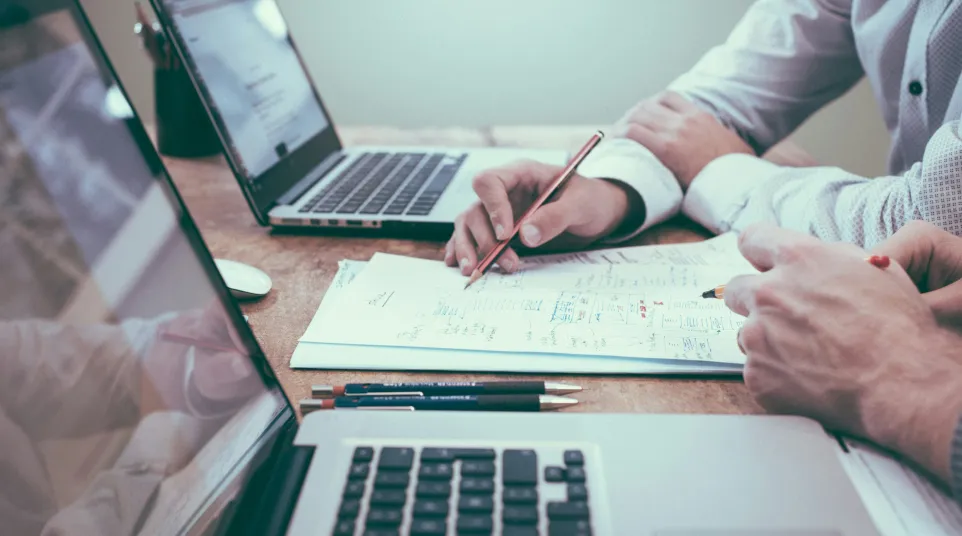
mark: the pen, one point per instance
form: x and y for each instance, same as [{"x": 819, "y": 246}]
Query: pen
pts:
[
  {"x": 448, "y": 403},
  {"x": 880, "y": 261},
  {"x": 444, "y": 389},
  {"x": 555, "y": 185}
]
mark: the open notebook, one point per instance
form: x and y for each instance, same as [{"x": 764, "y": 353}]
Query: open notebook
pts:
[{"x": 628, "y": 310}]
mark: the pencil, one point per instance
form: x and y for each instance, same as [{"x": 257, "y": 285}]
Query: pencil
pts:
[
  {"x": 880, "y": 261},
  {"x": 488, "y": 261}
]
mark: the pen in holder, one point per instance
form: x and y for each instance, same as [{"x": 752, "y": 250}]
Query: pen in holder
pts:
[{"x": 183, "y": 126}]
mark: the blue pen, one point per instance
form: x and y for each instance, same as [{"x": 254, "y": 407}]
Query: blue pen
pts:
[{"x": 448, "y": 403}]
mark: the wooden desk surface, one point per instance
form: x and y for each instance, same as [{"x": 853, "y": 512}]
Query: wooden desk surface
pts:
[{"x": 302, "y": 267}]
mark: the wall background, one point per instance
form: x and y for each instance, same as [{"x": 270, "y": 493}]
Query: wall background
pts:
[{"x": 416, "y": 63}]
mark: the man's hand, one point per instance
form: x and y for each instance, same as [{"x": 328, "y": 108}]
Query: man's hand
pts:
[
  {"x": 682, "y": 136},
  {"x": 933, "y": 259},
  {"x": 830, "y": 336},
  {"x": 586, "y": 210}
]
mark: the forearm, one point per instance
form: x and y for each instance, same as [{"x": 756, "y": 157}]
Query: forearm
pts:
[{"x": 735, "y": 191}]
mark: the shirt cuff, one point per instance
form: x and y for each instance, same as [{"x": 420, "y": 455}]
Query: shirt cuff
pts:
[
  {"x": 718, "y": 194},
  {"x": 626, "y": 161}
]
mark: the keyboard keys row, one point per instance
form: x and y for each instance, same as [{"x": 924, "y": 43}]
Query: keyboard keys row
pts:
[
  {"x": 562, "y": 474},
  {"x": 411, "y": 189}
]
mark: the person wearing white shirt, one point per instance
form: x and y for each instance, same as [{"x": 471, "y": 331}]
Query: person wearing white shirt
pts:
[{"x": 695, "y": 148}]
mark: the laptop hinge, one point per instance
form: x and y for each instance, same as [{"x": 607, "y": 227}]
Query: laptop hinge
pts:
[
  {"x": 295, "y": 192},
  {"x": 278, "y": 487}
]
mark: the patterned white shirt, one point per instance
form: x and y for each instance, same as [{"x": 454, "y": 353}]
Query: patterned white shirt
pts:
[{"x": 785, "y": 60}]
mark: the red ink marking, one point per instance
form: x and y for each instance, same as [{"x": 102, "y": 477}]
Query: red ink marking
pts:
[
  {"x": 880, "y": 261},
  {"x": 659, "y": 303}
]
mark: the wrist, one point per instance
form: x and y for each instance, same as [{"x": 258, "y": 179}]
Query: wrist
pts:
[
  {"x": 626, "y": 205},
  {"x": 914, "y": 406}
]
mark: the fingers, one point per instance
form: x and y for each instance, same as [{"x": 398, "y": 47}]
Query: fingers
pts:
[
  {"x": 946, "y": 304},
  {"x": 552, "y": 219},
  {"x": 465, "y": 248},
  {"x": 473, "y": 238},
  {"x": 494, "y": 187},
  {"x": 676, "y": 103},
  {"x": 740, "y": 293},
  {"x": 765, "y": 245},
  {"x": 450, "y": 258},
  {"x": 931, "y": 256},
  {"x": 645, "y": 136}
]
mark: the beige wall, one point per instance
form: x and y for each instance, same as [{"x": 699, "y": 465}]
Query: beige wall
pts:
[{"x": 416, "y": 63}]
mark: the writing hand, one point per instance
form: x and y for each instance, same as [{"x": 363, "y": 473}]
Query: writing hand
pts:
[
  {"x": 933, "y": 259},
  {"x": 681, "y": 135},
  {"x": 831, "y": 337},
  {"x": 585, "y": 211}
]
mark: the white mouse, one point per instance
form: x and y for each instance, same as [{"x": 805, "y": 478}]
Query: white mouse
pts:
[{"x": 245, "y": 282}]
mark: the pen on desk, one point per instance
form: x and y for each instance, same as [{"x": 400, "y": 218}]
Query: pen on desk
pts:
[
  {"x": 879, "y": 261},
  {"x": 444, "y": 389},
  {"x": 447, "y": 403},
  {"x": 488, "y": 261}
]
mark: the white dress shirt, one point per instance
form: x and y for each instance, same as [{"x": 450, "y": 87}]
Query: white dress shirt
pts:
[{"x": 785, "y": 60}]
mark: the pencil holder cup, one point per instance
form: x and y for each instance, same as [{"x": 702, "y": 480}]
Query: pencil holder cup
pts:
[{"x": 183, "y": 127}]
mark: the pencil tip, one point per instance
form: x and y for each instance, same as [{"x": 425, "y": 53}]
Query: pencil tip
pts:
[
  {"x": 474, "y": 277},
  {"x": 708, "y": 294}
]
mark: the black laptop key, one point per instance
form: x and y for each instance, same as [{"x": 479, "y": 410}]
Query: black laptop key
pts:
[
  {"x": 428, "y": 527},
  {"x": 344, "y": 528},
  {"x": 349, "y": 508},
  {"x": 474, "y": 524},
  {"x": 433, "y": 489},
  {"x": 443, "y": 178},
  {"x": 363, "y": 454},
  {"x": 519, "y": 530},
  {"x": 358, "y": 471},
  {"x": 576, "y": 474},
  {"x": 395, "y": 459},
  {"x": 520, "y": 515},
  {"x": 431, "y": 508},
  {"x": 568, "y": 510},
  {"x": 474, "y": 454},
  {"x": 388, "y": 497},
  {"x": 577, "y": 492},
  {"x": 574, "y": 457},
  {"x": 553, "y": 473},
  {"x": 381, "y": 531},
  {"x": 354, "y": 489},
  {"x": 479, "y": 486},
  {"x": 519, "y": 467},
  {"x": 475, "y": 503},
  {"x": 519, "y": 495},
  {"x": 436, "y": 471},
  {"x": 477, "y": 468},
  {"x": 569, "y": 528},
  {"x": 390, "y": 517},
  {"x": 434, "y": 454},
  {"x": 391, "y": 480}
]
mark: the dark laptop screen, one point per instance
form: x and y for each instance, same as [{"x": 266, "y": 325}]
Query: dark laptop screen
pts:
[
  {"x": 252, "y": 80},
  {"x": 130, "y": 388}
]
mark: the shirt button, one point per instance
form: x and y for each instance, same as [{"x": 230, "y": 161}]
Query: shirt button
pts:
[{"x": 915, "y": 88}]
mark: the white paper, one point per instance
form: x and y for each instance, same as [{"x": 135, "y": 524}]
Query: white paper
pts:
[
  {"x": 631, "y": 302},
  {"x": 901, "y": 501}
]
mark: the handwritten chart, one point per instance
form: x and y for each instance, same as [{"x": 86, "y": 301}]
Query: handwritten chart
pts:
[{"x": 631, "y": 309}]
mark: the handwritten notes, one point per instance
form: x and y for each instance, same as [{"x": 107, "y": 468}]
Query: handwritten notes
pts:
[{"x": 632, "y": 302}]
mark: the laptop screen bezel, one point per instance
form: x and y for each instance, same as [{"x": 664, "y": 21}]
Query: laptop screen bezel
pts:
[
  {"x": 285, "y": 174},
  {"x": 286, "y": 417}
]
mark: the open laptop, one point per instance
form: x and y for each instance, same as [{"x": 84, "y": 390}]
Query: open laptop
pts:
[
  {"x": 134, "y": 398},
  {"x": 283, "y": 147}
]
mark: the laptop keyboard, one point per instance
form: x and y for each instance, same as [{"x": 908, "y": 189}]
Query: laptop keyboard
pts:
[
  {"x": 387, "y": 183},
  {"x": 456, "y": 490}
]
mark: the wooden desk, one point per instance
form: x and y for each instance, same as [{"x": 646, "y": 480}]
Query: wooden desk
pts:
[{"x": 302, "y": 268}]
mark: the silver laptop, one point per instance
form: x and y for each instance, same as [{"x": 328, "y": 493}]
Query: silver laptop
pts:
[
  {"x": 136, "y": 400},
  {"x": 283, "y": 147}
]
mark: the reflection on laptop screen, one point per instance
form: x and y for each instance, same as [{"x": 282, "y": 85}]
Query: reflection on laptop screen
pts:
[
  {"x": 127, "y": 391},
  {"x": 245, "y": 62}
]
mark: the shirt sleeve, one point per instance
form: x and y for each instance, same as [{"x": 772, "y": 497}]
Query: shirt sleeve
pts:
[
  {"x": 783, "y": 61},
  {"x": 735, "y": 191}
]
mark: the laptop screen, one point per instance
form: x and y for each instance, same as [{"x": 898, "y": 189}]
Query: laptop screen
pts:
[
  {"x": 252, "y": 80},
  {"x": 131, "y": 390}
]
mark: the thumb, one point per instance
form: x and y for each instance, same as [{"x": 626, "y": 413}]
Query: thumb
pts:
[
  {"x": 549, "y": 221},
  {"x": 946, "y": 304}
]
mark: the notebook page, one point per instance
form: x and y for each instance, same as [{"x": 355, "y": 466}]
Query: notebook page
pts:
[{"x": 649, "y": 306}]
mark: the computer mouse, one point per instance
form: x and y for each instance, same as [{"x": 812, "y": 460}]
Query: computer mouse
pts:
[{"x": 244, "y": 281}]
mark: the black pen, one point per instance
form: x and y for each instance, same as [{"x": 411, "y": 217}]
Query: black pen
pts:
[
  {"x": 447, "y": 403},
  {"x": 444, "y": 389}
]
